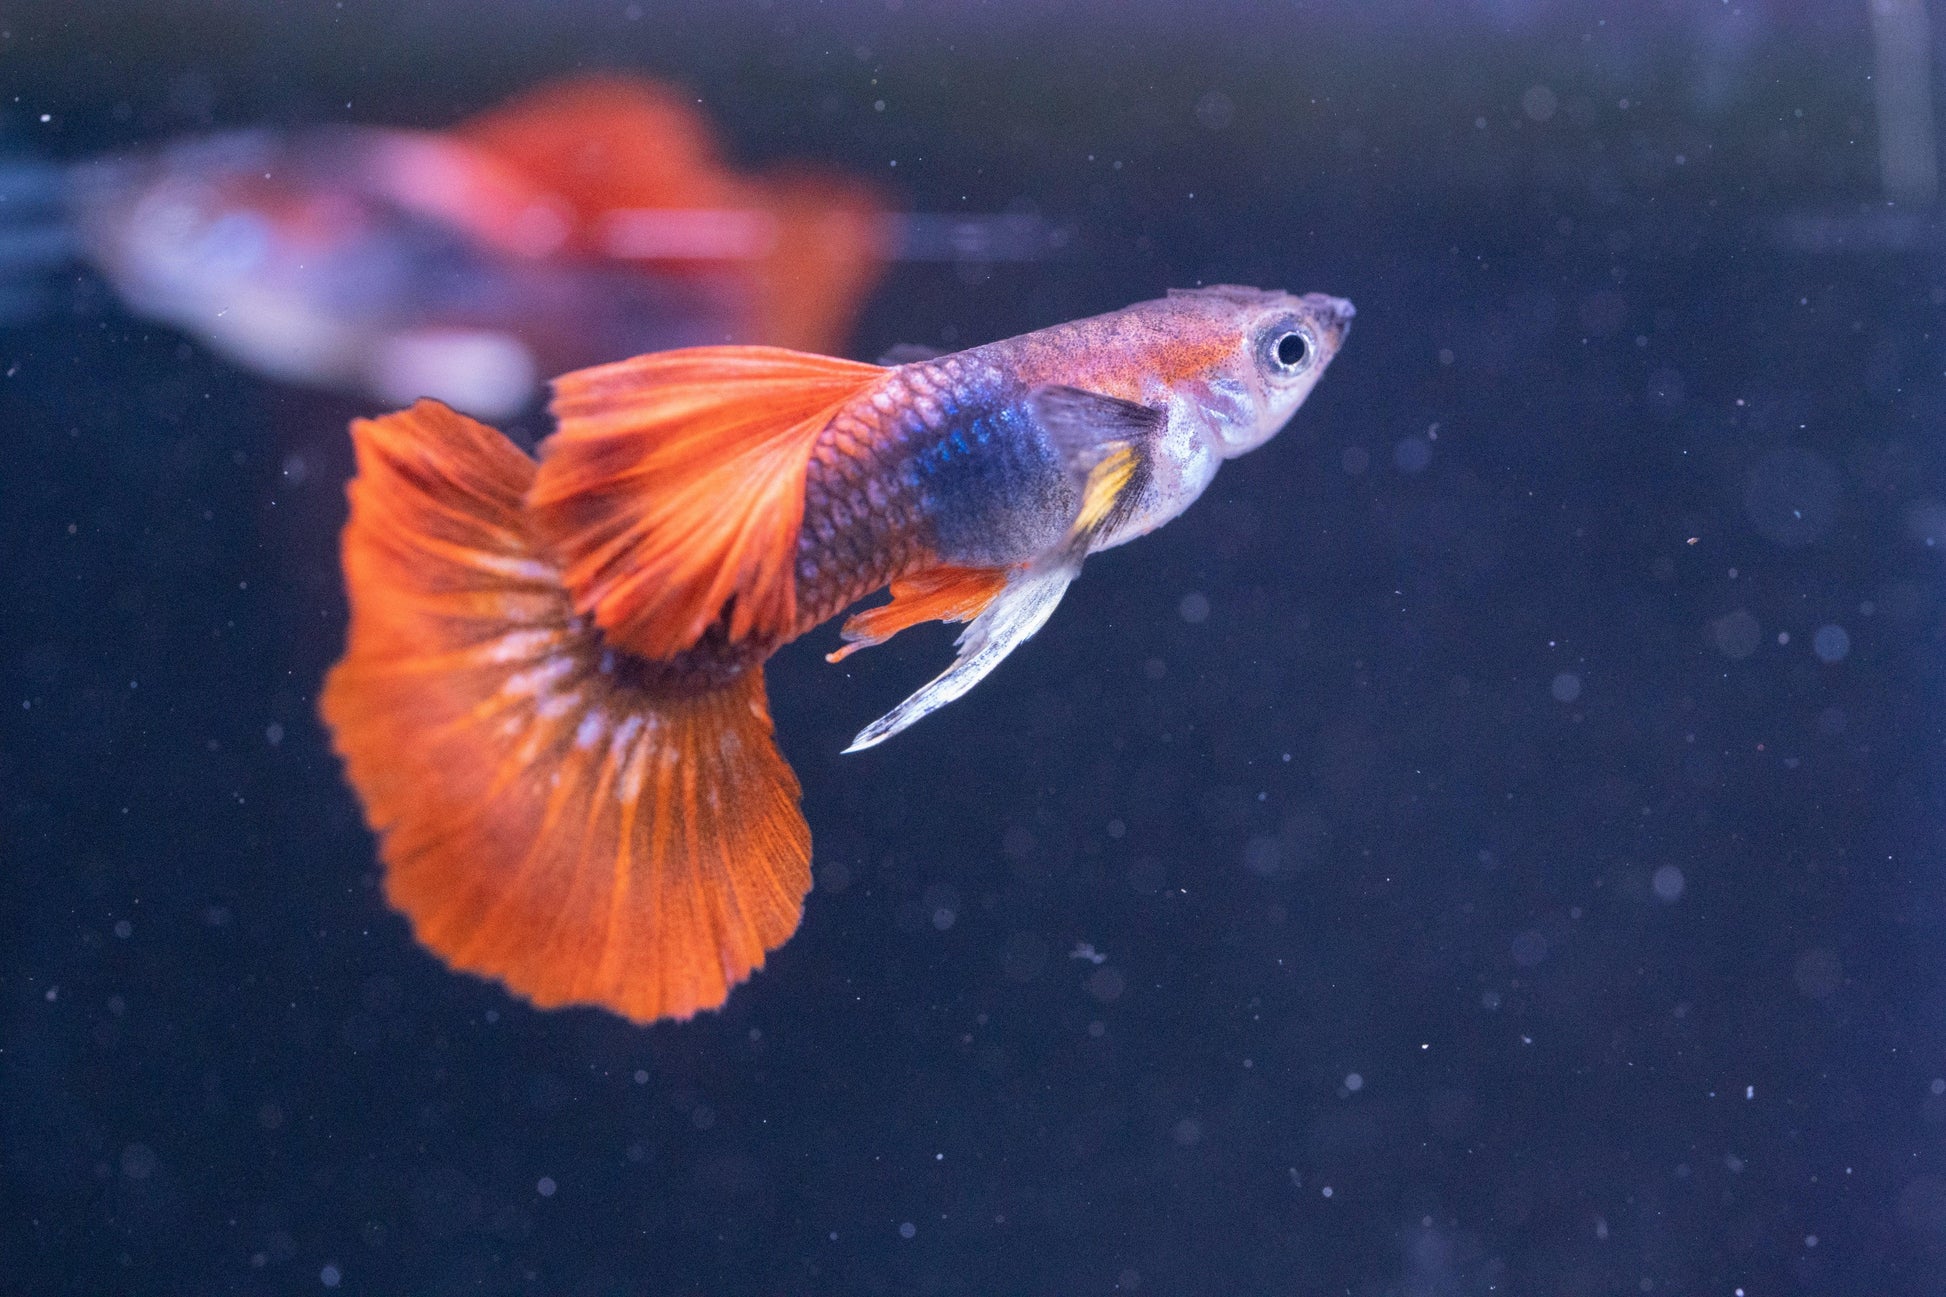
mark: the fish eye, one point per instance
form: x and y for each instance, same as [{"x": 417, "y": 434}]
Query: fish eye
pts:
[{"x": 1291, "y": 350}]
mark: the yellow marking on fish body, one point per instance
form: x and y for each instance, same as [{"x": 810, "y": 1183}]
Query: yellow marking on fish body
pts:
[{"x": 1105, "y": 483}]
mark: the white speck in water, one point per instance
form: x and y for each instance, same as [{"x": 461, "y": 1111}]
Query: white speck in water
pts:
[
  {"x": 1194, "y": 609},
  {"x": 330, "y": 1276},
  {"x": 1566, "y": 687},
  {"x": 1668, "y": 883},
  {"x": 1326, "y": 1191},
  {"x": 908, "y": 1229},
  {"x": 1939, "y": 1085},
  {"x": 1354, "y": 1082},
  {"x": 545, "y": 1186}
]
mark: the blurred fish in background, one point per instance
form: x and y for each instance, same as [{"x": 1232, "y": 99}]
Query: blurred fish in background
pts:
[{"x": 590, "y": 219}]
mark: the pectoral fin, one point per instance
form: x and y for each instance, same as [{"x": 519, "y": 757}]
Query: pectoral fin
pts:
[
  {"x": 1021, "y": 608},
  {"x": 1105, "y": 442}
]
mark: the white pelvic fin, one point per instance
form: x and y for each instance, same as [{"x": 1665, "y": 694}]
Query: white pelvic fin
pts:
[{"x": 1021, "y": 608}]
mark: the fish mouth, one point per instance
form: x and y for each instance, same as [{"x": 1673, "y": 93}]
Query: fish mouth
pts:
[{"x": 1334, "y": 313}]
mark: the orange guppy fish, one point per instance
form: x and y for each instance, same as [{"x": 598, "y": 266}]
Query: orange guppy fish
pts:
[{"x": 552, "y": 699}]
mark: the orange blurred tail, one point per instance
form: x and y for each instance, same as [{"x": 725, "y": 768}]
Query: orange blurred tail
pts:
[{"x": 572, "y": 828}]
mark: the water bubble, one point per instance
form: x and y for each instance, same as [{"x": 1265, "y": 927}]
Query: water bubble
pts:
[
  {"x": 330, "y": 1276},
  {"x": 1668, "y": 883},
  {"x": 1106, "y": 985},
  {"x": 1215, "y": 110},
  {"x": 908, "y": 1229},
  {"x": 1194, "y": 609},
  {"x": 1354, "y": 1082},
  {"x": 1529, "y": 948},
  {"x": 1737, "y": 634},
  {"x": 138, "y": 1161},
  {"x": 545, "y": 1186},
  {"x": 1566, "y": 687},
  {"x": 1262, "y": 855},
  {"x": 1831, "y": 643}
]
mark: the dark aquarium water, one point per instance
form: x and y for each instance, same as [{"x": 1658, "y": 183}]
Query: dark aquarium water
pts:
[{"x": 1492, "y": 843}]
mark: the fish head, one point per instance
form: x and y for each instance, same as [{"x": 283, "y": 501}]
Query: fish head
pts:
[{"x": 1272, "y": 348}]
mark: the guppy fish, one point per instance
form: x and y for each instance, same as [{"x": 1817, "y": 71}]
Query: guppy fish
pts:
[
  {"x": 552, "y": 699},
  {"x": 588, "y": 218}
]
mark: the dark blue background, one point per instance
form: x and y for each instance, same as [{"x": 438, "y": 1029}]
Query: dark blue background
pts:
[{"x": 1342, "y": 824}]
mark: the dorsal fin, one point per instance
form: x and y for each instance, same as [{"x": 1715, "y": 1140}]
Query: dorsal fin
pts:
[
  {"x": 674, "y": 489},
  {"x": 935, "y": 594},
  {"x": 605, "y": 141}
]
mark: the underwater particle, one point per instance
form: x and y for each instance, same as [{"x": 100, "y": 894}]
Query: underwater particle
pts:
[
  {"x": 1194, "y": 608},
  {"x": 1024, "y": 956},
  {"x": 1736, "y": 634},
  {"x": 1128, "y": 1280},
  {"x": 1146, "y": 876},
  {"x": 1939, "y": 1085},
  {"x": 1187, "y": 1132},
  {"x": 1818, "y": 975},
  {"x": 1412, "y": 454},
  {"x": 1539, "y": 103},
  {"x": 941, "y": 904},
  {"x": 641, "y": 1076},
  {"x": 330, "y": 1276},
  {"x": 1216, "y": 110},
  {"x": 1791, "y": 496},
  {"x": 1529, "y": 948},
  {"x": 1354, "y": 1082},
  {"x": 908, "y": 1230},
  {"x": 273, "y": 734},
  {"x": 1925, "y": 522},
  {"x": 124, "y": 929},
  {"x": 1355, "y": 460},
  {"x": 1263, "y": 855},
  {"x": 1566, "y": 687},
  {"x": 1667, "y": 883},
  {"x": 545, "y": 1186},
  {"x": 1107, "y": 985},
  {"x": 1666, "y": 387},
  {"x": 1831, "y": 643},
  {"x": 138, "y": 1161}
]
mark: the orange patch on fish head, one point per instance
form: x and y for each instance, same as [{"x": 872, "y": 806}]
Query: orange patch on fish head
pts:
[{"x": 1249, "y": 357}]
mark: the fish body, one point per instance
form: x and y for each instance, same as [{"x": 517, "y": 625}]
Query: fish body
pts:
[
  {"x": 552, "y": 699},
  {"x": 590, "y": 218}
]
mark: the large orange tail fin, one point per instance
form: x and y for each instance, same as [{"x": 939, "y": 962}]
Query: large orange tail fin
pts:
[{"x": 584, "y": 836}]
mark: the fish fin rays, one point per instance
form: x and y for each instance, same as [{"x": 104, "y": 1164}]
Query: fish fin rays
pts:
[
  {"x": 580, "y": 836},
  {"x": 1104, "y": 442},
  {"x": 673, "y": 491},
  {"x": 934, "y": 594},
  {"x": 1021, "y": 608}
]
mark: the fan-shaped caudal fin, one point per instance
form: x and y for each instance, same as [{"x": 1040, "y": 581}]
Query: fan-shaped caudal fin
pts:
[
  {"x": 934, "y": 594},
  {"x": 547, "y": 821},
  {"x": 674, "y": 489}
]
